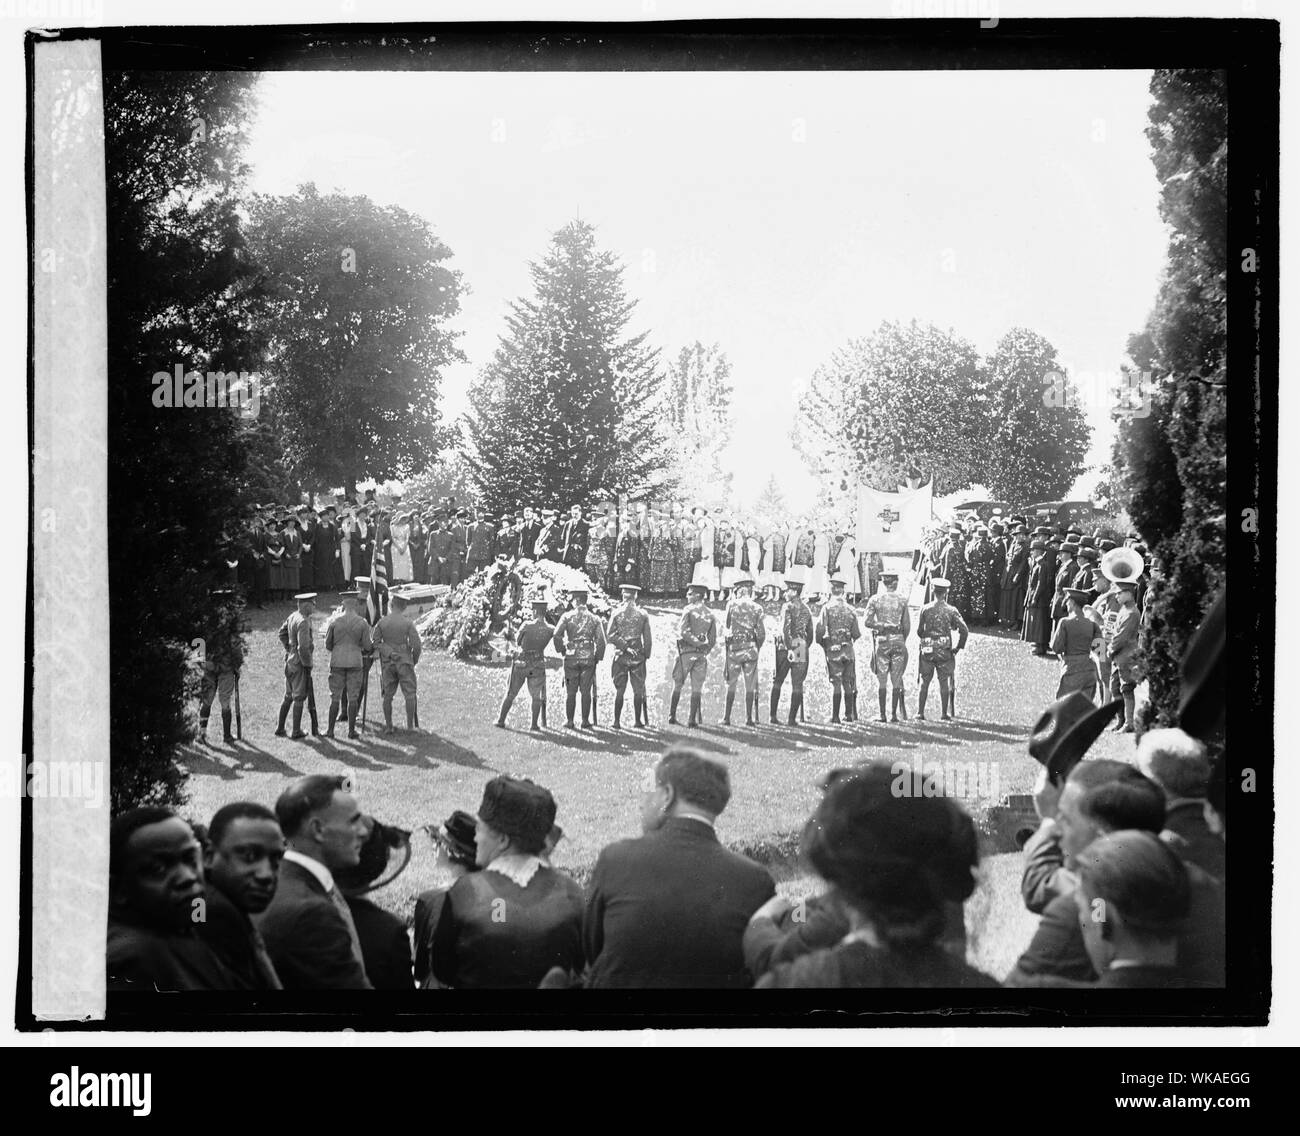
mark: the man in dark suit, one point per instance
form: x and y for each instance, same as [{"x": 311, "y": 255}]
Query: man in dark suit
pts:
[
  {"x": 308, "y": 928},
  {"x": 241, "y": 867},
  {"x": 528, "y": 535},
  {"x": 669, "y": 909},
  {"x": 550, "y": 541},
  {"x": 1179, "y": 764},
  {"x": 155, "y": 903},
  {"x": 1101, "y": 797},
  {"x": 574, "y": 539}
]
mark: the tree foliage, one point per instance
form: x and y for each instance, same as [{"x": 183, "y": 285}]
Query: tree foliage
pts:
[
  {"x": 181, "y": 290},
  {"x": 699, "y": 397},
  {"x": 570, "y": 408},
  {"x": 1171, "y": 465},
  {"x": 360, "y": 301}
]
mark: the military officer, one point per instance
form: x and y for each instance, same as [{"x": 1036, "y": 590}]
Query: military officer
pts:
[
  {"x": 792, "y": 643},
  {"x": 629, "y": 634},
  {"x": 934, "y": 629},
  {"x": 398, "y": 645},
  {"x": 223, "y": 655},
  {"x": 580, "y": 639},
  {"x": 347, "y": 639},
  {"x": 697, "y": 635},
  {"x": 890, "y": 622},
  {"x": 529, "y": 663},
  {"x": 295, "y": 637},
  {"x": 837, "y": 630},
  {"x": 744, "y": 635}
]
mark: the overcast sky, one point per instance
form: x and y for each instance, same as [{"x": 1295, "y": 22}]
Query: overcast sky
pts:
[{"x": 776, "y": 214}]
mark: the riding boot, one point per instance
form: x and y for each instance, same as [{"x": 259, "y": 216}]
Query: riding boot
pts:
[
  {"x": 618, "y": 710},
  {"x": 315, "y": 722},
  {"x": 731, "y": 700},
  {"x": 835, "y": 708},
  {"x": 751, "y": 709},
  {"x": 1130, "y": 704},
  {"x": 796, "y": 702},
  {"x": 297, "y": 722},
  {"x": 586, "y": 710},
  {"x": 672, "y": 707},
  {"x": 921, "y": 696},
  {"x": 410, "y": 715},
  {"x": 334, "y": 717},
  {"x": 946, "y": 697},
  {"x": 284, "y": 713},
  {"x": 570, "y": 705},
  {"x": 537, "y": 710},
  {"x": 893, "y": 707},
  {"x": 697, "y": 715},
  {"x": 642, "y": 710},
  {"x": 352, "y": 719},
  {"x": 849, "y": 715},
  {"x": 881, "y": 692},
  {"x": 226, "y": 735},
  {"x": 902, "y": 705},
  {"x": 544, "y": 723},
  {"x": 774, "y": 705}
]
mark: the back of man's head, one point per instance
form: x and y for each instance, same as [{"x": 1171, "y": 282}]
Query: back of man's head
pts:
[
  {"x": 1176, "y": 761},
  {"x": 1141, "y": 877},
  {"x": 695, "y": 779},
  {"x": 304, "y": 797},
  {"x": 1114, "y": 796}
]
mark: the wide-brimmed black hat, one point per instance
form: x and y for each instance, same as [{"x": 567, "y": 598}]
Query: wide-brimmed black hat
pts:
[
  {"x": 458, "y": 834},
  {"x": 1065, "y": 731},
  {"x": 519, "y": 809}
]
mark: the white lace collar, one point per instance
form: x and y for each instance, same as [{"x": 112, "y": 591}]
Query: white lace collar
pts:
[{"x": 518, "y": 867}]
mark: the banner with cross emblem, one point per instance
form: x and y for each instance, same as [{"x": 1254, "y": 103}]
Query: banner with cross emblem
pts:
[{"x": 893, "y": 522}]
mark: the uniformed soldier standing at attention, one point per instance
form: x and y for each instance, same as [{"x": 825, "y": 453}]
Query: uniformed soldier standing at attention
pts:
[
  {"x": 295, "y": 637},
  {"x": 529, "y": 664},
  {"x": 347, "y": 636},
  {"x": 629, "y": 634},
  {"x": 934, "y": 629},
  {"x": 398, "y": 645},
  {"x": 580, "y": 639},
  {"x": 222, "y": 657},
  {"x": 697, "y": 634},
  {"x": 744, "y": 636},
  {"x": 890, "y": 622},
  {"x": 837, "y": 630},
  {"x": 792, "y": 643}
]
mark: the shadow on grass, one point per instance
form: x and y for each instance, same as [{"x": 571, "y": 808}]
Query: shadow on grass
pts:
[
  {"x": 423, "y": 749},
  {"x": 229, "y": 763}
]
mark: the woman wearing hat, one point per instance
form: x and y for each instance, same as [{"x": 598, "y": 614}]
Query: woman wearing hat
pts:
[
  {"x": 456, "y": 857},
  {"x": 505, "y": 926},
  {"x": 400, "y": 568},
  {"x": 275, "y": 573},
  {"x": 895, "y": 861},
  {"x": 1074, "y": 640},
  {"x": 659, "y": 582},
  {"x": 292, "y": 560}
]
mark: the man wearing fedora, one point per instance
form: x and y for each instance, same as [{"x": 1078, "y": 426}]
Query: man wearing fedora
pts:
[
  {"x": 580, "y": 640},
  {"x": 629, "y": 634},
  {"x": 529, "y": 663}
]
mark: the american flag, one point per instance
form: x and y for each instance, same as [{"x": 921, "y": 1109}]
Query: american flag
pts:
[{"x": 378, "y": 587}]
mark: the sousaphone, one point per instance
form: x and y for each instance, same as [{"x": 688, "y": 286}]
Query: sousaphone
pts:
[{"x": 1122, "y": 566}]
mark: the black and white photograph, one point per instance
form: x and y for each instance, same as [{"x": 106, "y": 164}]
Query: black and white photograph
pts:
[{"x": 580, "y": 526}]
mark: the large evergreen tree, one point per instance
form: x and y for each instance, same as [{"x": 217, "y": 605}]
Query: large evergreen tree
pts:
[
  {"x": 181, "y": 290},
  {"x": 699, "y": 419},
  {"x": 361, "y": 299},
  {"x": 1171, "y": 464},
  {"x": 1036, "y": 434},
  {"x": 571, "y": 407}
]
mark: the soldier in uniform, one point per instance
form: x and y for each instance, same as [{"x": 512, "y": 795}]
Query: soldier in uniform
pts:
[
  {"x": 347, "y": 639},
  {"x": 890, "y": 622},
  {"x": 837, "y": 630},
  {"x": 580, "y": 639},
  {"x": 398, "y": 645},
  {"x": 295, "y": 637},
  {"x": 222, "y": 657},
  {"x": 934, "y": 629},
  {"x": 529, "y": 664},
  {"x": 696, "y": 636},
  {"x": 744, "y": 635},
  {"x": 792, "y": 643},
  {"x": 629, "y": 634},
  {"x": 1123, "y": 653},
  {"x": 1074, "y": 640}
]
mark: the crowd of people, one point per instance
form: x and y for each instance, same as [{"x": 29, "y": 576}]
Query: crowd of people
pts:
[{"x": 275, "y": 898}]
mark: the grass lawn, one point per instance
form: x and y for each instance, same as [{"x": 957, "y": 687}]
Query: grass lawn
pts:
[{"x": 414, "y": 779}]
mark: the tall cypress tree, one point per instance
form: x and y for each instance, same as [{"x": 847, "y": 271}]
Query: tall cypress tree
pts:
[{"x": 570, "y": 408}]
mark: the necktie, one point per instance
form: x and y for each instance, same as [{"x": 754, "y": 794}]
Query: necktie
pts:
[
  {"x": 262, "y": 961},
  {"x": 345, "y": 913}
]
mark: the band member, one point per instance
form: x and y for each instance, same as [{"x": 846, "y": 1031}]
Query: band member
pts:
[
  {"x": 696, "y": 636},
  {"x": 529, "y": 664},
  {"x": 837, "y": 630},
  {"x": 890, "y": 622},
  {"x": 792, "y": 642},
  {"x": 934, "y": 629},
  {"x": 744, "y": 635},
  {"x": 580, "y": 639},
  {"x": 295, "y": 637},
  {"x": 629, "y": 634}
]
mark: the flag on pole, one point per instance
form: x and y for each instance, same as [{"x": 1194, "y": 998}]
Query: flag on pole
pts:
[{"x": 893, "y": 522}]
